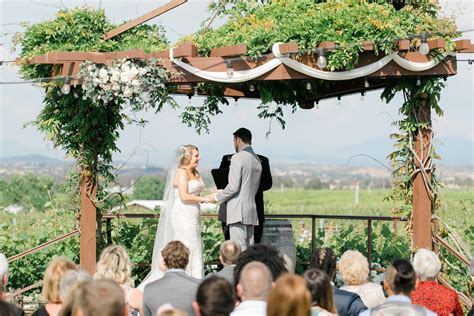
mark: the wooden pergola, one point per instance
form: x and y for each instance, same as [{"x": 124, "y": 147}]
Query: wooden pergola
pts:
[{"x": 67, "y": 65}]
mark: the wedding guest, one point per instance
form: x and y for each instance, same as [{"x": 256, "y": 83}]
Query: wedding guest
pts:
[
  {"x": 6, "y": 308},
  {"x": 354, "y": 270},
  {"x": 114, "y": 264},
  {"x": 289, "y": 297},
  {"x": 319, "y": 285},
  {"x": 215, "y": 296},
  {"x": 253, "y": 289},
  {"x": 70, "y": 280},
  {"x": 169, "y": 310},
  {"x": 399, "y": 283},
  {"x": 51, "y": 281},
  {"x": 429, "y": 293},
  {"x": 347, "y": 303},
  {"x": 96, "y": 298},
  {"x": 266, "y": 254},
  {"x": 229, "y": 252},
  {"x": 175, "y": 287}
]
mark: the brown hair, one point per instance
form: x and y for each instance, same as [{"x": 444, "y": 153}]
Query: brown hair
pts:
[
  {"x": 230, "y": 251},
  {"x": 175, "y": 255},
  {"x": 98, "y": 298},
  {"x": 52, "y": 277},
  {"x": 289, "y": 297},
  {"x": 401, "y": 277},
  {"x": 319, "y": 285},
  {"x": 215, "y": 297}
]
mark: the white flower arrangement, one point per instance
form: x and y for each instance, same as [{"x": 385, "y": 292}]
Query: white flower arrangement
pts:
[{"x": 141, "y": 83}]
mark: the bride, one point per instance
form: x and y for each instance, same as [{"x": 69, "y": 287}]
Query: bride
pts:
[{"x": 180, "y": 214}]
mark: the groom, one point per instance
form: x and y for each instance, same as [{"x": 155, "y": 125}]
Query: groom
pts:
[{"x": 240, "y": 212}]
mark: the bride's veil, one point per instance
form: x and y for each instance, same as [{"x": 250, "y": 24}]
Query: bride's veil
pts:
[{"x": 165, "y": 232}]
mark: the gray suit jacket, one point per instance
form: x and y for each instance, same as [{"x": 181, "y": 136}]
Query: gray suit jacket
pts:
[
  {"x": 175, "y": 288},
  {"x": 227, "y": 273},
  {"x": 244, "y": 179}
]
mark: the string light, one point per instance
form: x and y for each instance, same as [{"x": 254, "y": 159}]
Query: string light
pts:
[
  {"x": 308, "y": 86},
  {"x": 445, "y": 79},
  {"x": 469, "y": 64},
  {"x": 236, "y": 101},
  {"x": 189, "y": 100},
  {"x": 316, "y": 104},
  {"x": 321, "y": 61},
  {"x": 366, "y": 83},
  {"x": 362, "y": 96},
  {"x": 66, "y": 88},
  {"x": 230, "y": 69},
  {"x": 252, "y": 88},
  {"x": 339, "y": 102},
  {"x": 424, "y": 48},
  {"x": 196, "y": 91},
  {"x": 418, "y": 82}
]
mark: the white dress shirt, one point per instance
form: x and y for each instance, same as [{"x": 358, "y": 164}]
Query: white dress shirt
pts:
[{"x": 250, "y": 308}]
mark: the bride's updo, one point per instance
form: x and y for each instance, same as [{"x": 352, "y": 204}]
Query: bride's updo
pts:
[{"x": 186, "y": 154}]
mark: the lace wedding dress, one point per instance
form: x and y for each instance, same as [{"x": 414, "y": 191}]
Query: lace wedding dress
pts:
[{"x": 179, "y": 221}]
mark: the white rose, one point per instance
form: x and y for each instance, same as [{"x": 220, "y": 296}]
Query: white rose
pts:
[
  {"x": 125, "y": 68},
  {"x": 146, "y": 96},
  {"x": 116, "y": 87},
  {"x": 128, "y": 92},
  {"x": 103, "y": 73},
  {"x": 142, "y": 71},
  {"x": 125, "y": 76},
  {"x": 135, "y": 83},
  {"x": 89, "y": 68},
  {"x": 134, "y": 71}
]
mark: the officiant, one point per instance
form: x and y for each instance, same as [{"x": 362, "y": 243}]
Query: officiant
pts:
[{"x": 221, "y": 179}]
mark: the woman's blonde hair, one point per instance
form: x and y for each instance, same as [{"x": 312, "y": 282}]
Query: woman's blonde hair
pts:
[
  {"x": 114, "y": 264},
  {"x": 354, "y": 268},
  {"x": 52, "y": 278},
  {"x": 289, "y": 297},
  {"x": 186, "y": 154}
]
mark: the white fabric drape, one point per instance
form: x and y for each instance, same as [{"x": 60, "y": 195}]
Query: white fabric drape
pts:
[{"x": 246, "y": 75}]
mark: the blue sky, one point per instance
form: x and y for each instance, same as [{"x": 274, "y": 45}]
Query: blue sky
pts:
[{"x": 333, "y": 131}]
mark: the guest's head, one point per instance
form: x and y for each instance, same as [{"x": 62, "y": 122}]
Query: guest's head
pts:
[
  {"x": 175, "y": 255},
  {"x": 266, "y": 254},
  {"x": 70, "y": 280},
  {"x": 242, "y": 137},
  {"x": 97, "y": 298},
  {"x": 289, "y": 297},
  {"x": 172, "y": 312},
  {"x": 319, "y": 285},
  {"x": 53, "y": 276},
  {"x": 3, "y": 272},
  {"x": 324, "y": 259},
  {"x": 354, "y": 268},
  {"x": 114, "y": 264},
  {"x": 255, "y": 282},
  {"x": 400, "y": 278},
  {"x": 189, "y": 156},
  {"x": 215, "y": 296},
  {"x": 426, "y": 264},
  {"x": 229, "y": 252}
]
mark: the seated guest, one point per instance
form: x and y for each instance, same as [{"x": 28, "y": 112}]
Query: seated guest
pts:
[
  {"x": 266, "y": 254},
  {"x": 6, "y": 308},
  {"x": 168, "y": 310},
  {"x": 322, "y": 298},
  {"x": 175, "y": 287},
  {"x": 70, "y": 280},
  {"x": 430, "y": 294},
  {"x": 214, "y": 297},
  {"x": 229, "y": 252},
  {"x": 96, "y": 298},
  {"x": 347, "y": 303},
  {"x": 51, "y": 292},
  {"x": 399, "y": 282},
  {"x": 254, "y": 286},
  {"x": 289, "y": 297},
  {"x": 114, "y": 264},
  {"x": 354, "y": 270}
]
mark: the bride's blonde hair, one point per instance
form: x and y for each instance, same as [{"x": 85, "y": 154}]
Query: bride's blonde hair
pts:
[{"x": 186, "y": 154}]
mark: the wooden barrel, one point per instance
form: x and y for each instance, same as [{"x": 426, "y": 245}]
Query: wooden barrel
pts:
[{"x": 279, "y": 233}]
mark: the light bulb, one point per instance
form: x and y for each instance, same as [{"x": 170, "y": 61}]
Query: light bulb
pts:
[
  {"x": 366, "y": 83},
  {"x": 424, "y": 49},
  {"x": 308, "y": 86},
  {"x": 469, "y": 64},
  {"x": 418, "y": 82},
  {"x": 230, "y": 70},
  {"x": 66, "y": 88},
  {"x": 445, "y": 79},
  {"x": 339, "y": 102},
  {"x": 196, "y": 91},
  {"x": 362, "y": 96},
  {"x": 252, "y": 88},
  {"x": 322, "y": 62},
  {"x": 316, "y": 104},
  {"x": 189, "y": 100},
  {"x": 76, "y": 95},
  {"x": 236, "y": 101}
]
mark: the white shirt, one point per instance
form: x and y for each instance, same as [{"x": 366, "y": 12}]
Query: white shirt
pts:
[
  {"x": 399, "y": 298},
  {"x": 250, "y": 308}
]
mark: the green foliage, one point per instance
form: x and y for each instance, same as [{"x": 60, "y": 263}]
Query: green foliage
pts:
[
  {"x": 148, "y": 188},
  {"x": 29, "y": 191}
]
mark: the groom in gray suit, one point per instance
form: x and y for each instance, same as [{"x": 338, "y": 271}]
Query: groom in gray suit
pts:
[{"x": 240, "y": 211}]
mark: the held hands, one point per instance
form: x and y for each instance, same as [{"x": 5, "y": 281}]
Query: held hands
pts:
[{"x": 208, "y": 199}]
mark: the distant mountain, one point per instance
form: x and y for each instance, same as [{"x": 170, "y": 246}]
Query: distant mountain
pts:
[{"x": 33, "y": 159}]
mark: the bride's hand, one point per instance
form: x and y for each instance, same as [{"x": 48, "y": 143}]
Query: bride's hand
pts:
[{"x": 209, "y": 199}]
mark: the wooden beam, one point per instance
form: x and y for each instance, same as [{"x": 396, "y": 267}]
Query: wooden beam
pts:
[
  {"x": 469, "y": 50},
  {"x": 133, "y": 53},
  {"x": 327, "y": 45},
  {"x": 160, "y": 54},
  {"x": 437, "y": 43},
  {"x": 289, "y": 48},
  {"x": 146, "y": 17},
  {"x": 403, "y": 45},
  {"x": 463, "y": 44},
  {"x": 87, "y": 223},
  {"x": 185, "y": 50},
  {"x": 229, "y": 51}
]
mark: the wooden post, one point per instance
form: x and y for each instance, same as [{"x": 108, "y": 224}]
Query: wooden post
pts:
[
  {"x": 422, "y": 206},
  {"x": 88, "y": 224}
]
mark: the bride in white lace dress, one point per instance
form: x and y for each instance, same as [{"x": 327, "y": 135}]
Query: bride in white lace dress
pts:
[{"x": 180, "y": 214}]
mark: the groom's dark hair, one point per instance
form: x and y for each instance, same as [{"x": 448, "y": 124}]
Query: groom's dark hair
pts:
[{"x": 244, "y": 134}]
